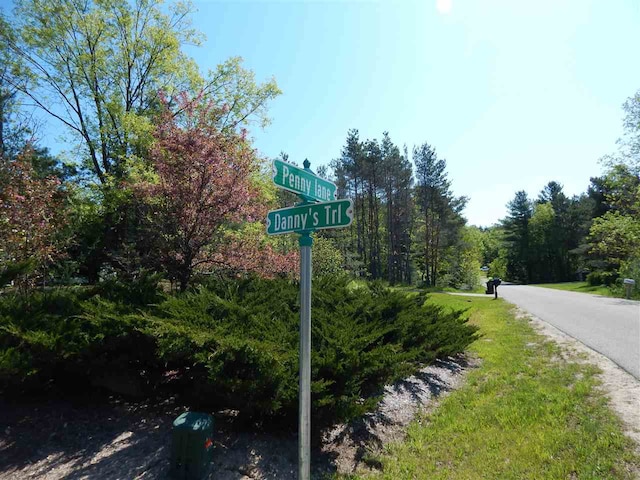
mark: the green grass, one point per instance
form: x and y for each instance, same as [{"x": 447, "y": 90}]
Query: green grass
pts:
[
  {"x": 411, "y": 288},
  {"x": 583, "y": 287},
  {"x": 523, "y": 413}
]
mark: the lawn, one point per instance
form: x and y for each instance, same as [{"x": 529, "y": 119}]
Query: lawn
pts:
[
  {"x": 582, "y": 287},
  {"x": 524, "y": 413}
]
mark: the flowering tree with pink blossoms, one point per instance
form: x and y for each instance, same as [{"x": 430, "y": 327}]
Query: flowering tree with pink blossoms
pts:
[
  {"x": 31, "y": 216},
  {"x": 203, "y": 181}
]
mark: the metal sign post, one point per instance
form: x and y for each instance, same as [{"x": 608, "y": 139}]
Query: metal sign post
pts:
[
  {"x": 318, "y": 210},
  {"x": 304, "y": 427}
]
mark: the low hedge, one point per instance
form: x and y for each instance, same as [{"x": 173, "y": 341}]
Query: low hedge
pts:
[{"x": 229, "y": 344}]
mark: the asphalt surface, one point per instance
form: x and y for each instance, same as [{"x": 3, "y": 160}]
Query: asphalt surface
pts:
[{"x": 611, "y": 326}]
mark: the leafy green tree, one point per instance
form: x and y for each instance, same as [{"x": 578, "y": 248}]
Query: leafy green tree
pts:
[
  {"x": 98, "y": 67},
  {"x": 629, "y": 144},
  {"x": 492, "y": 240},
  {"x": 16, "y": 125},
  {"x": 543, "y": 244},
  {"x": 616, "y": 238},
  {"x": 327, "y": 258},
  {"x": 466, "y": 260}
]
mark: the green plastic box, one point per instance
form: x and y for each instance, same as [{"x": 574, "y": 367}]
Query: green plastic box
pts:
[{"x": 191, "y": 446}]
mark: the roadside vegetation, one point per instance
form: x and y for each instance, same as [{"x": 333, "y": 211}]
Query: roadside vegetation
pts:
[
  {"x": 139, "y": 264},
  {"x": 525, "y": 412},
  {"x": 228, "y": 344},
  {"x": 583, "y": 287}
]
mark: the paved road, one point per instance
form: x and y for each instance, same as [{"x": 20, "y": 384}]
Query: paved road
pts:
[{"x": 610, "y": 326}]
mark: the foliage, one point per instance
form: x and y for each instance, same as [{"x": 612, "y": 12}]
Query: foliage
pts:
[
  {"x": 464, "y": 260},
  {"x": 440, "y": 213},
  {"x": 232, "y": 344},
  {"x": 327, "y": 258},
  {"x": 31, "y": 215},
  {"x": 103, "y": 62},
  {"x": 522, "y": 385},
  {"x": 247, "y": 249},
  {"x": 595, "y": 279},
  {"x": 203, "y": 180},
  {"x": 379, "y": 180},
  {"x": 98, "y": 69},
  {"x": 498, "y": 266},
  {"x": 233, "y": 88},
  {"x": 12, "y": 271},
  {"x": 516, "y": 226},
  {"x": 616, "y": 237}
]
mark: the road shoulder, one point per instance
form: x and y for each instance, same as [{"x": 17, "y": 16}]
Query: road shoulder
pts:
[{"x": 622, "y": 389}]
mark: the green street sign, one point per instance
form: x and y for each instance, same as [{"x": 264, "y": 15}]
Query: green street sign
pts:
[
  {"x": 314, "y": 216},
  {"x": 303, "y": 182}
]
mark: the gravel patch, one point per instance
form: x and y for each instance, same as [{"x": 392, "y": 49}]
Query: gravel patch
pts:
[
  {"x": 63, "y": 440},
  {"x": 355, "y": 445}
]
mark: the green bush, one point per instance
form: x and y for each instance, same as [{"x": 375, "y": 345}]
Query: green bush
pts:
[
  {"x": 232, "y": 343},
  {"x": 140, "y": 292},
  {"x": 34, "y": 333},
  {"x": 69, "y": 337},
  {"x": 242, "y": 340},
  {"x": 602, "y": 278}
]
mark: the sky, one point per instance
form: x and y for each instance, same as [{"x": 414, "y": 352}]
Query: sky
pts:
[{"x": 512, "y": 93}]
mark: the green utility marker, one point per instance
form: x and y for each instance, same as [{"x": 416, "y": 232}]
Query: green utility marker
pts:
[{"x": 191, "y": 446}]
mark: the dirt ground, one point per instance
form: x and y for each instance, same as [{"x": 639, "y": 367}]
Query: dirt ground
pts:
[{"x": 119, "y": 440}]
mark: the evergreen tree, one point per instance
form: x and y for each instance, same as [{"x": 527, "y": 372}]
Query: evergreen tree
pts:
[
  {"x": 440, "y": 212},
  {"x": 516, "y": 227}
]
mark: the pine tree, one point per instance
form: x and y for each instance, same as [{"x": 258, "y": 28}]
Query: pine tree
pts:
[{"x": 516, "y": 226}]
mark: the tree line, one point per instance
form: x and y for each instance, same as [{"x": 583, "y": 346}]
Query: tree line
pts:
[
  {"x": 409, "y": 226},
  {"x": 160, "y": 175},
  {"x": 594, "y": 235}
]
